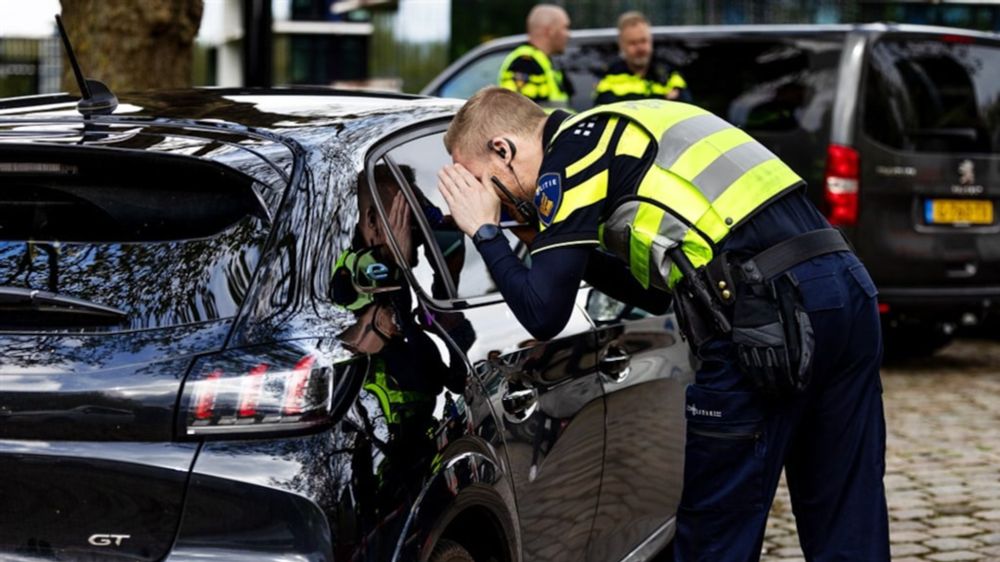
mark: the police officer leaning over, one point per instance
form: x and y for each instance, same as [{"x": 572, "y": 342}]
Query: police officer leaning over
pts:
[
  {"x": 635, "y": 75},
  {"x": 652, "y": 199},
  {"x": 528, "y": 69}
]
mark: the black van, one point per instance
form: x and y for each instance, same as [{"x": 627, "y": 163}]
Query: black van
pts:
[{"x": 894, "y": 127}]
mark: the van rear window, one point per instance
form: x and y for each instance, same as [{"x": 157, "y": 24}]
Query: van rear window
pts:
[{"x": 933, "y": 95}]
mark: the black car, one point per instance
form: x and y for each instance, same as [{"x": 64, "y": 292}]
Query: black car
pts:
[
  {"x": 896, "y": 129},
  {"x": 239, "y": 325}
]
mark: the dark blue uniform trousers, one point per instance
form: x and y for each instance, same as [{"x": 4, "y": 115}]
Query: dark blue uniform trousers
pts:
[{"x": 830, "y": 439}]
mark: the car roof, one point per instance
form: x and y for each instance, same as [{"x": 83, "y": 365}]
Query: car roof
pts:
[
  {"x": 583, "y": 35},
  {"x": 277, "y": 112},
  {"x": 240, "y": 128}
]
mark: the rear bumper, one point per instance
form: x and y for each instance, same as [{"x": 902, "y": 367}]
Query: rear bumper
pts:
[
  {"x": 941, "y": 302},
  {"x": 90, "y": 500},
  {"x": 258, "y": 500}
]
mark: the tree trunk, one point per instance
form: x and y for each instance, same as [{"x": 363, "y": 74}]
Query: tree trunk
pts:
[{"x": 132, "y": 44}]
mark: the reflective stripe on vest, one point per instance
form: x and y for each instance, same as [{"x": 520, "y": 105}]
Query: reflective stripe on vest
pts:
[
  {"x": 627, "y": 84},
  {"x": 708, "y": 177},
  {"x": 392, "y": 402},
  {"x": 547, "y": 86}
]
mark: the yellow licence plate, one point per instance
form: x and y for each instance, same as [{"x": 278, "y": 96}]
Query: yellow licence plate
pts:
[{"x": 958, "y": 211}]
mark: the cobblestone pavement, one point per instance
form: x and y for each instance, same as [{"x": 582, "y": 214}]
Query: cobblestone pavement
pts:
[{"x": 942, "y": 464}]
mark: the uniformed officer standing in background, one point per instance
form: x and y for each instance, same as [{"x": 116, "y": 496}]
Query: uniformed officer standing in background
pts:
[
  {"x": 652, "y": 199},
  {"x": 636, "y": 75},
  {"x": 528, "y": 69}
]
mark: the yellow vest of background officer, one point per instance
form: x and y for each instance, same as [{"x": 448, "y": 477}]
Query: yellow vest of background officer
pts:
[{"x": 545, "y": 86}]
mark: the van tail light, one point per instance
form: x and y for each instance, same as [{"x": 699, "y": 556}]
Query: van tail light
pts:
[
  {"x": 284, "y": 388},
  {"x": 841, "y": 185},
  {"x": 957, "y": 39}
]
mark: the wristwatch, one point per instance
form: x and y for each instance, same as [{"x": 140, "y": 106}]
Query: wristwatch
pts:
[{"x": 486, "y": 233}]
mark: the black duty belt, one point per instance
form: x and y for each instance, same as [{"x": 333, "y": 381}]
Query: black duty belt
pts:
[
  {"x": 705, "y": 297},
  {"x": 721, "y": 275},
  {"x": 785, "y": 255}
]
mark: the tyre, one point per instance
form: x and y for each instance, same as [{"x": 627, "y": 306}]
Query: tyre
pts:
[{"x": 450, "y": 551}]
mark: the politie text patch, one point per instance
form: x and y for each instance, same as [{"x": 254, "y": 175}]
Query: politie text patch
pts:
[{"x": 548, "y": 196}]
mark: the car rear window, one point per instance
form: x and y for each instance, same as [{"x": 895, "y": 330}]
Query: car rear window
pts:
[
  {"x": 938, "y": 94},
  {"x": 167, "y": 240}
]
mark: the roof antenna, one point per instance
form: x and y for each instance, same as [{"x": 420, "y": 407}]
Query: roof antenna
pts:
[{"x": 97, "y": 98}]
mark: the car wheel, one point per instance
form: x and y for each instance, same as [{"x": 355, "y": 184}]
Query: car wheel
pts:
[{"x": 450, "y": 551}]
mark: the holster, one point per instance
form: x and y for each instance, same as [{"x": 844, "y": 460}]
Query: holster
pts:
[
  {"x": 772, "y": 335},
  {"x": 693, "y": 321},
  {"x": 770, "y": 328}
]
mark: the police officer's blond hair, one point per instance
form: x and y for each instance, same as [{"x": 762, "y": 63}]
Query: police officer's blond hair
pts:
[
  {"x": 492, "y": 111},
  {"x": 628, "y": 19}
]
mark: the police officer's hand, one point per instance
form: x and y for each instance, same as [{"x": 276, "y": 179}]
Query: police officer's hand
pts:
[
  {"x": 399, "y": 224},
  {"x": 472, "y": 202}
]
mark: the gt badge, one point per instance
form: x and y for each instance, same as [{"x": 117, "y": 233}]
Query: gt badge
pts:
[
  {"x": 107, "y": 540},
  {"x": 548, "y": 196}
]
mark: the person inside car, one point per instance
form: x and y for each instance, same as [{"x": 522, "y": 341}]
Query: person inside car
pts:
[
  {"x": 667, "y": 199},
  {"x": 636, "y": 75}
]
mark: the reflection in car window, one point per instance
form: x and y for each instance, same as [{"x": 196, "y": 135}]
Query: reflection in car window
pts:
[
  {"x": 761, "y": 85},
  {"x": 425, "y": 156},
  {"x": 171, "y": 246},
  {"x": 407, "y": 371},
  {"x": 765, "y": 85},
  {"x": 933, "y": 95},
  {"x": 482, "y": 72}
]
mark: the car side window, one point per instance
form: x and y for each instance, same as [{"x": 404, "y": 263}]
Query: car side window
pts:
[
  {"x": 481, "y": 73},
  {"x": 933, "y": 95},
  {"x": 765, "y": 85},
  {"x": 417, "y": 162}
]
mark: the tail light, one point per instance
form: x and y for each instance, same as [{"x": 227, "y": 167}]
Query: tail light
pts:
[
  {"x": 841, "y": 185},
  {"x": 957, "y": 39},
  {"x": 285, "y": 388}
]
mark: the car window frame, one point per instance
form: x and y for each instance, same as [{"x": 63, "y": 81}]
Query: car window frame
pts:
[{"x": 379, "y": 153}]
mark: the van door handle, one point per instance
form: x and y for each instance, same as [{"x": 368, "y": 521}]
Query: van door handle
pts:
[
  {"x": 616, "y": 365},
  {"x": 519, "y": 403}
]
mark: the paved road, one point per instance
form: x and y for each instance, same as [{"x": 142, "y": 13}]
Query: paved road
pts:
[{"x": 943, "y": 460}]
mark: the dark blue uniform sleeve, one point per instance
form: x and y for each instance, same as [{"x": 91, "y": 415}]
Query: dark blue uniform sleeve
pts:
[{"x": 541, "y": 297}]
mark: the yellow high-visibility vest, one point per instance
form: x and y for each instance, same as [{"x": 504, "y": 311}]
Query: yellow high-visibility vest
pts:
[
  {"x": 709, "y": 176},
  {"x": 627, "y": 84},
  {"x": 394, "y": 402},
  {"x": 546, "y": 87}
]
